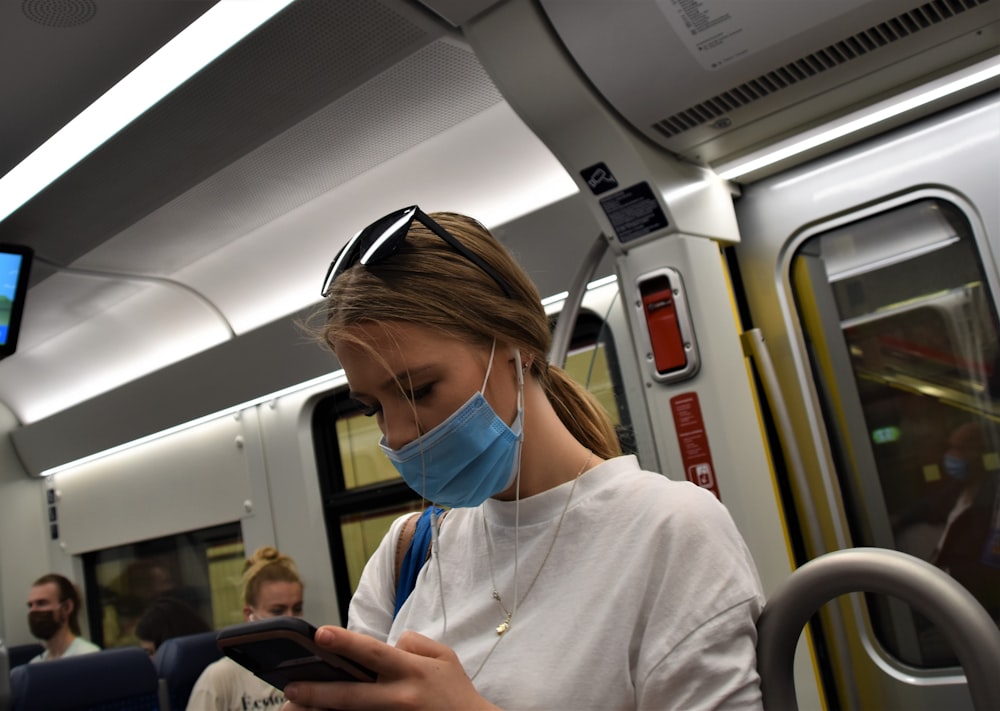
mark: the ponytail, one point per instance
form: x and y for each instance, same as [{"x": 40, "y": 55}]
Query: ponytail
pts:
[{"x": 582, "y": 414}]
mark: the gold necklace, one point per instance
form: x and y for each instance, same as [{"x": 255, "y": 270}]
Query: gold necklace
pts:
[{"x": 509, "y": 614}]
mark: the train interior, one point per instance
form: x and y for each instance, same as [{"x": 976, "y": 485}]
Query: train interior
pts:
[{"x": 167, "y": 409}]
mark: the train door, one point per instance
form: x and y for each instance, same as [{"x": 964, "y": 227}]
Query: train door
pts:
[{"x": 872, "y": 275}]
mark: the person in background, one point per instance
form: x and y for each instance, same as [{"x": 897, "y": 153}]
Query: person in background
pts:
[
  {"x": 164, "y": 618},
  {"x": 271, "y": 588},
  {"x": 53, "y": 612},
  {"x": 141, "y": 582},
  {"x": 962, "y": 550},
  {"x": 563, "y": 576}
]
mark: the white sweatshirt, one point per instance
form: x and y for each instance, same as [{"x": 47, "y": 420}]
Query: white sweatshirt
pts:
[{"x": 648, "y": 599}]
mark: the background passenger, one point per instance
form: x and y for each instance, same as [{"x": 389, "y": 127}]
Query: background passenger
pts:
[
  {"x": 165, "y": 618},
  {"x": 565, "y": 576},
  {"x": 141, "y": 582},
  {"x": 962, "y": 550},
  {"x": 53, "y": 611},
  {"x": 271, "y": 588}
]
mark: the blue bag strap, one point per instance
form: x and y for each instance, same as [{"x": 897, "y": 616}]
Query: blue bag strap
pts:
[{"x": 417, "y": 554}]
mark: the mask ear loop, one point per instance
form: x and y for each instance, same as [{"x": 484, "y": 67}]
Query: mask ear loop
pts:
[
  {"x": 436, "y": 552},
  {"x": 435, "y": 520},
  {"x": 517, "y": 478}
]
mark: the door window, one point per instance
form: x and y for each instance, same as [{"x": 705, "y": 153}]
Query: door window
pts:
[
  {"x": 199, "y": 572},
  {"x": 902, "y": 332}
]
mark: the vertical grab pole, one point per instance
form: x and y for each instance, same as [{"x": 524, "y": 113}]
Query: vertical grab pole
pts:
[{"x": 563, "y": 331}]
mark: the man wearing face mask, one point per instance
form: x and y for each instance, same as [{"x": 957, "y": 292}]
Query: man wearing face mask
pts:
[
  {"x": 53, "y": 609},
  {"x": 960, "y": 550}
]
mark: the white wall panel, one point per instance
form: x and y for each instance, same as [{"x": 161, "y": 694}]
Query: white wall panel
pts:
[
  {"x": 296, "y": 501},
  {"x": 188, "y": 480},
  {"x": 23, "y": 550}
]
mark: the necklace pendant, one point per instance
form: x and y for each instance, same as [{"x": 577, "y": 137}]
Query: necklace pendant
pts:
[{"x": 504, "y": 626}]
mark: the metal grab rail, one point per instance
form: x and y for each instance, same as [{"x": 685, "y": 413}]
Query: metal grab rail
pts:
[
  {"x": 563, "y": 332},
  {"x": 959, "y": 617}
]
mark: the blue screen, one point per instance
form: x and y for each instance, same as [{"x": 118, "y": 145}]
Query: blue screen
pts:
[{"x": 10, "y": 268}]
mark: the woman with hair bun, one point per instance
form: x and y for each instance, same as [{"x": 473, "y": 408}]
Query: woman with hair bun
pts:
[
  {"x": 271, "y": 588},
  {"x": 564, "y": 576}
]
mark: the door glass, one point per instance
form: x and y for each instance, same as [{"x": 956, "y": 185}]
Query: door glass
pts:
[
  {"x": 197, "y": 572},
  {"x": 902, "y": 332}
]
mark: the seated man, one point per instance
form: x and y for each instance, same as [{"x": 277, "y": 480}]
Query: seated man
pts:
[{"x": 53, "y": 608}]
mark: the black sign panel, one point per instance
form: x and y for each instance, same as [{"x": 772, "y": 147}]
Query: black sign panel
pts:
[
  {"x": 599, "y": 178},
  {"x": 634, "y": 212}
]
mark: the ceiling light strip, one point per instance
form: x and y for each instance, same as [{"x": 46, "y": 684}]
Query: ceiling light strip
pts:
[
  {"x": 218, "y": 29},
  {"x": 977, "y": 74}
]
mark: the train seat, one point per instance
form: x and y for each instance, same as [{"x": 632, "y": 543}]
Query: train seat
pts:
[
  {"x": 23, "y": 653},
  {"x": 179, "y": 662},
  {"x": 121, "y": 679},
  {"x": 4, "y": 678},
  {"x": 966, "y": 625}
]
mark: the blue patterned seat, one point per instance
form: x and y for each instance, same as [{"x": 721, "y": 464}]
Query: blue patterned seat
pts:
[
  {"x": 23, "y": 653},
  {"x": 179, "y": 662},
  {"x": 122, "y": 679}
]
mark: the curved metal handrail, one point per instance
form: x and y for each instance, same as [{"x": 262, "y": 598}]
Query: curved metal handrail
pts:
[
  {"x": 969, "y": 629},
  {"x": 563, "y": 332}
]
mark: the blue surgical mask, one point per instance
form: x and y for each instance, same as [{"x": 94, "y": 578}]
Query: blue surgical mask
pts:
[
  {"x": 469, "y": 457},
  {"x": 956, "y": 467}
]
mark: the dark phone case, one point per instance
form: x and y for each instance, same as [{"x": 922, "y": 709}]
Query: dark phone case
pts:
[{"x": 281, "y": 650}]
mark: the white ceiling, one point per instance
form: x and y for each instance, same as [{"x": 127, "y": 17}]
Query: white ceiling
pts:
[{"x": 219, "y": 209}]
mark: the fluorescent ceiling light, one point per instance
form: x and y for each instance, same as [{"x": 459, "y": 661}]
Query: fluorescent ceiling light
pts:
[
  {"x": 596, "y": 284},
  {"x": 907, "y": 101},
  {"x": 235, "y": 409},
  {"x": 218, "y": 29}
]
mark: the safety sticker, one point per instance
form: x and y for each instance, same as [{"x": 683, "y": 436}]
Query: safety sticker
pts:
[
  {"x": 634, "y": 212},
  {"x": 720, "y": 32},
  {"x": 693, "y": 441}
]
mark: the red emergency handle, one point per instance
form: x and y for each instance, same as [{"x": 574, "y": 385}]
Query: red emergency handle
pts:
[{"x": 665, "y": 337}]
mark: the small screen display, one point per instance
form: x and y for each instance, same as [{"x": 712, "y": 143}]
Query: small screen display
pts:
[
  {"x": 10, "y": 269},
  {"x": 15, "y": 265}
]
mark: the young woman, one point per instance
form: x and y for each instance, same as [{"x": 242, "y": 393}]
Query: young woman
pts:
[
  {"x": 271, "y": 588},
  {"x": 564, "y": 577}
]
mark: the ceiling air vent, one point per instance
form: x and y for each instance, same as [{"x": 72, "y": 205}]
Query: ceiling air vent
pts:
[{"x": 813, "y": 64}]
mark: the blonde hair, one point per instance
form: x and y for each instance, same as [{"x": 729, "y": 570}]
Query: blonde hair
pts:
[
  {"x": 266, "y": 565},
  {"x": 427, "y": 282}
]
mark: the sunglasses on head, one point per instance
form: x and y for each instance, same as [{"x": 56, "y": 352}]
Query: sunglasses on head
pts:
[{"x": 384, "y": 236}]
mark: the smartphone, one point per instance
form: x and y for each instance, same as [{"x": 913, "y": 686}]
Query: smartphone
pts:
[{"x": 281, "y": 650}]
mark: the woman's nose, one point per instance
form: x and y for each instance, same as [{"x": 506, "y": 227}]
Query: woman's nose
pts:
[{"x": 400, "y": 430}]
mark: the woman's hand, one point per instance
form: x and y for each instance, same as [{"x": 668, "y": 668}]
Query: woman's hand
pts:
[{"x": 418, "y": 673}]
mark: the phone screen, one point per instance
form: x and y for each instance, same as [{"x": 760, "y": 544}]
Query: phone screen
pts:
[{"x": 281, "y": 650}]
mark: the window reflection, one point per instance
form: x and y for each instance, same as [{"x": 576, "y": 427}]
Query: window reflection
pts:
[
  {"x": 903, "y": 296},
  {"x": 200, "y": 569}
]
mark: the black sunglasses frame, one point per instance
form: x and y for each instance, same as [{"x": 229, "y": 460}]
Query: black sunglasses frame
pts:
[{"x": 384, "y": 236}]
